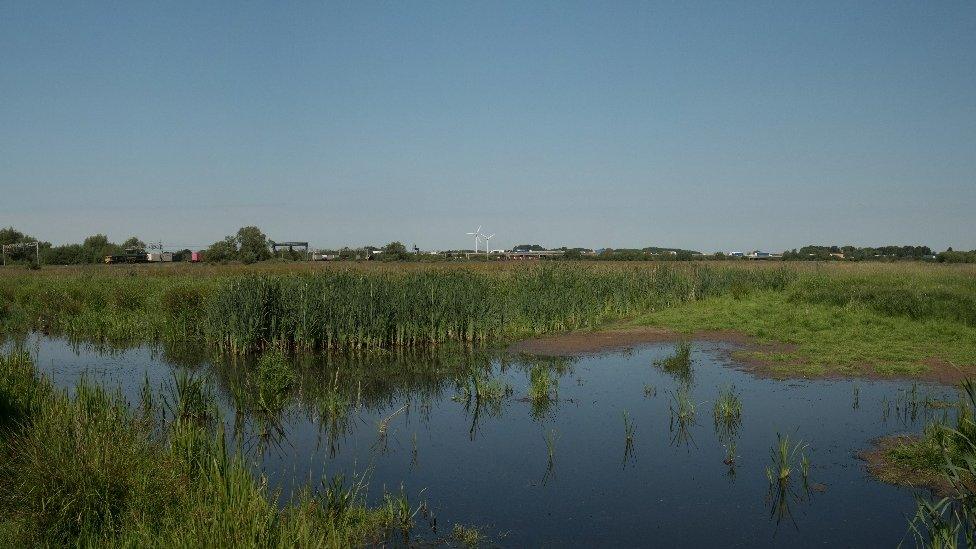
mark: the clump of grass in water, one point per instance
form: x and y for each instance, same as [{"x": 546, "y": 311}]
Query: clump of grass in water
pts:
[
  {"x": 679, "y": 363},
  {"x": 649, "y": 391},
  {"x": 467, "y": 536},
  {"x": 681, "y": 406},
  {"x": 784, "y": 456},
  {"x": 728, "y": 408},
  {"x": 682, "y": 410},
  {"x": 857, "y": 396}
]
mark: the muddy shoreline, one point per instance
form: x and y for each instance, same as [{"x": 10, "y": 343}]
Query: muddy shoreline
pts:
[
  {"x": 746, "y": 351},
  {"x": 881, "y": 467}
]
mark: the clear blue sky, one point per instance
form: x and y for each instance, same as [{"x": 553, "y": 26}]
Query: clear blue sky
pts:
[{"x": 714, "y": 126}]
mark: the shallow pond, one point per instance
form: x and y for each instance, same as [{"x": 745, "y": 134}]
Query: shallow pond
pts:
[{"x": 403, "y": 421}]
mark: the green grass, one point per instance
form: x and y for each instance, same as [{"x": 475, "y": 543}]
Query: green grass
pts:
[
  {"x": 85, "y": 469},
  {"x": 848, "y": 339}
]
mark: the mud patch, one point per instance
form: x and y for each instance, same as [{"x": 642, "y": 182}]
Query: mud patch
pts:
[{"x": 749, "y": 354}]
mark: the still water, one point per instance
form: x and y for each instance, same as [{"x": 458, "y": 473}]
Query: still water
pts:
[{"x": 401, "y": 422}]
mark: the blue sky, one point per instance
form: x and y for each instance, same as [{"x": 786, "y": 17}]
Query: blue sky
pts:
[{"x": 713, "y": 126}]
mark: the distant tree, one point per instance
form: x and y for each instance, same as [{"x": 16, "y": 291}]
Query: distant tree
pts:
[
  {"x": 182, "y": 255},
  {"x": 96, "y": 247},
  {"x": 222, "y": 250},
  {"x": 95, "y": 241},
  {"x": 23, "y": 255},
  {"x": 394, "y": 251},
  {"x": 11, "y": 235},
  {"x": 133, "y": 242},
  {"x": 252, "y": 245},
  {"x": 574, "y": 253}
]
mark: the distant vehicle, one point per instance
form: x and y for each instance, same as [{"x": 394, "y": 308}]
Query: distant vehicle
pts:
[
  {"x": 129, "y": 255},
  {"x": 161, "y": 257},
  {"x": 195, "y": 257}
]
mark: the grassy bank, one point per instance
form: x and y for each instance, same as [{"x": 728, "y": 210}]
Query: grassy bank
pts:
[
  {"x": 822, "y": 339},
  {"x": 88, "y": 470}
]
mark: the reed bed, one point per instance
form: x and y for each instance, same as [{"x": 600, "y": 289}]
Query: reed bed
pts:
[
  {"x": 242, "y": 310},
  {"x": 347, "y": 309}
]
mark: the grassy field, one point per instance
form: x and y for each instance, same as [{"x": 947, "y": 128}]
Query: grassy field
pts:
[
  {"x": 847, "y": 318},
  {"x": 823, "y": 339}
]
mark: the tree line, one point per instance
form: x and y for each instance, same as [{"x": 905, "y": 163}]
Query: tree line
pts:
[{"x": 249, "y": 245}]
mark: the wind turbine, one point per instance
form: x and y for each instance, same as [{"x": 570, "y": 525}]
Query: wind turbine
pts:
[
  {"x": 477, "y": 238},
  {"x": 487, "y": 237}
]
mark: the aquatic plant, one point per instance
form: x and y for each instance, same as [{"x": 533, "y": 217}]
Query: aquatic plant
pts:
[
  {"x": 728, "y": 408},
  {"x": 189, "y": 398},
  {"x": 783, "y": 456},
  {"x": 951, "y": 520},
  {"x": 681, "y": 406},
  {"x": 467, "y": 536},
  {"x": 782, "y": 493},
  {"x": 682, "y": 411},
  {"x": 856, "y": 397},
  {"x": 649, "y": 390}
]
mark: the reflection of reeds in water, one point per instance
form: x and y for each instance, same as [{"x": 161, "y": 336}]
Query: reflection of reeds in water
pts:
[
  {"x": 629, "y": 431},
  {"x": 481, "y": 392},
  {"x": 383, "y": 426},
  {"x": 679, "y": 363},
  {"x": 550, "y": 438},
  {"x": 543, "y": 390}
]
